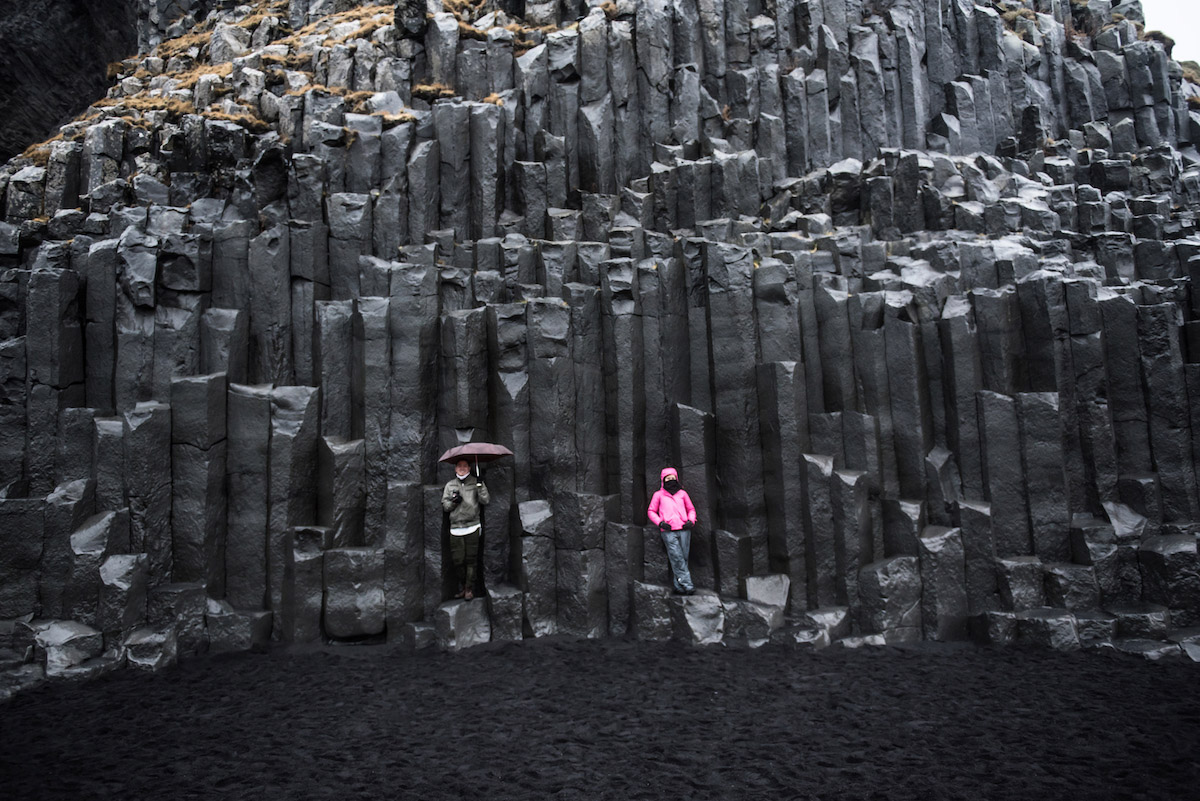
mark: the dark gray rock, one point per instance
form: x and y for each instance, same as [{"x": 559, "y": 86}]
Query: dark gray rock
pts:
[
  {"x": 341, "y": 488},
  {"x": 1149, "y": 650},
  {"x": 232, "y": 630},
  {"x": 581, "y": 598},
  {"x": 462, "y": 624},
  {"x": 180, "y": 606},
  {"x": 538, "y": 574},
  {"x": 819, "y": 524},
  {"x": 506, "y": 612},
  {"x": 698, "y": 619},
  {"x": 66, "y": 509},
  {"x": 303, "y": 592},
  {"x": 22, "y": 525},
  {"x": 784, "y": 426},
  {"x": 579, "y": 521},
  {"x": 247, "y": 459},
  {"x": 1005, "y": 478},
  {"x": 1045, "y": 627},
  {"x": 749, "y": 621},
  {"x": 1142, "y": 621},
  {"x": 65, "y": 644},
  {"x": 1020, "y": 581},
  {"x": 354, "y": 596},
  {"x": 124, "y": 581},
  {"x": 1071, "y": 587},
  {"x": 1171, "y": 574},
  {"x": 651, "y": 618},
  {"x": 1095, "y": 628},
  {"x": 148, "y": 485},
  {"x": 152, "y": 648},
  {"x": 1043, "y": 465},
  {"x": 944, "y": 602},
  {"x": 890, "y": 598},
  {"x": 734, "y": 562},
  {"x": 623, "y": 560},
  {"x": 403, "y": 555},
  {"x": 96, "y": 539}
]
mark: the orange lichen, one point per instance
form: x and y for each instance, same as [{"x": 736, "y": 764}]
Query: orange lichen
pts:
[
  {"x": 249, "y": 122},
  {"x": 189, "y": 78},
  {"x": 468, "y": 31},
  {"x": 432, "y": 91},
  {"x": 392, "y": 120},
  {"x": 132, "y": 107}
]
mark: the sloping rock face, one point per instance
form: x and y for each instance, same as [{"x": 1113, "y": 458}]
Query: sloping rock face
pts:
[
  {"x": 903, "y": 289},
  {"x": 54, "y": 62}
]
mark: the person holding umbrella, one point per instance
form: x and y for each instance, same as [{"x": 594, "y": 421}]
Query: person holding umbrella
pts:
[{"x": 462, "y": 498}]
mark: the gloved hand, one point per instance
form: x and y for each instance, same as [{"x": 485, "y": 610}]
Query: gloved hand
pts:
[
  {"x": 457, "y": 499},
  {"x": 664, "y": 526}
]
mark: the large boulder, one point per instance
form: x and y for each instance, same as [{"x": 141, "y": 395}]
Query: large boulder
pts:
[
  {"x": 462, "y": 624},
  {"x": 750, "y": 621},
  {"x": 1048, "y": 628},
  {"x": 65, "y": 644},
  {"x": 1171, "y": 575},
  {"x": 232, "y": 629},
  {"x": 890, "y": 596},
  {"x": 651, "y": 612},
  {"x": 698, "y": 619},
  {"x": 152, "y": 648}
]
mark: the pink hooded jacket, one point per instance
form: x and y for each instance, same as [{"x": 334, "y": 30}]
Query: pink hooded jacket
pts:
[{"x": 677, "y": 509}]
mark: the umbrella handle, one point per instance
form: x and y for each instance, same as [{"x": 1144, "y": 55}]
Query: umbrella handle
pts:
[{"x": 476, "y": 465}]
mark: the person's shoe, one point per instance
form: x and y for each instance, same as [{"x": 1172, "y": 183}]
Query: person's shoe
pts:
[
  {"x": 468, "y": 595},
  {"x": 461, "y": 592},
  {"x": 689, "y": 592}
]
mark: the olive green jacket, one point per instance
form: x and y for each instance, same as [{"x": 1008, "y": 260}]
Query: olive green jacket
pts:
[{"x": 474, "y": 495}]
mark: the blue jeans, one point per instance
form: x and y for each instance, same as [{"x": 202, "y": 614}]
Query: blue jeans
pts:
[{"x": 677, "y": 544}]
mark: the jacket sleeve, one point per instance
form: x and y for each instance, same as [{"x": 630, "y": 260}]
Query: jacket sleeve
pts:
[
  {"x": 485, "y": 497},
  {"x": 687, "y": 505},
  {"x": 652, "y": 512},
  {"x": 447, "y": 504}
]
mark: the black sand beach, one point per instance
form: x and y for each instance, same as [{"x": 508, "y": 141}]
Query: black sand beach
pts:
[{"x": 618, "y": 720}]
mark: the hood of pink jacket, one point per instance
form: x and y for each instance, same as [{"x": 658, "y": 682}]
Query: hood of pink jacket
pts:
[{"x": 667, "y": 471}]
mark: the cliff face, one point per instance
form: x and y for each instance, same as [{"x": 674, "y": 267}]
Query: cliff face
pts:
[
  {"x": 903, "y": 289},
  {"x": 54, "y": 62}
]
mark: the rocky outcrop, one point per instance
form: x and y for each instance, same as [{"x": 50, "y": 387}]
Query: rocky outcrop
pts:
[
  {"x": 54, "y": 62},
  {"x": 903, "y": 289}
]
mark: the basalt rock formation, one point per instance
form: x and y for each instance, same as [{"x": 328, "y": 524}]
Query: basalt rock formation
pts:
[
  {"x": 902, "y": 287},
  {"x": 54, "y": 62}
]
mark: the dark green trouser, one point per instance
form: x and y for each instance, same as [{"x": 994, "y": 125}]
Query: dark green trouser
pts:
[{"x": 464, "y": 551}]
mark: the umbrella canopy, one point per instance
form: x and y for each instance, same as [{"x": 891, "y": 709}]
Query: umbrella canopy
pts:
[{"x": 475, "y": 451}]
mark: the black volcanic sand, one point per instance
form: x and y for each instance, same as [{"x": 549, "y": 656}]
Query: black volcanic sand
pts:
[{"x": 615, "y": 719}]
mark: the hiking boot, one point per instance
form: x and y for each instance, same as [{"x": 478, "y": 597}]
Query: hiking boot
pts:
[{"x": 468, "y": 595}]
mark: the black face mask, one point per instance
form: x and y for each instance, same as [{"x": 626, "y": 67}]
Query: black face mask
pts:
[{"x": 671, "y": 486}]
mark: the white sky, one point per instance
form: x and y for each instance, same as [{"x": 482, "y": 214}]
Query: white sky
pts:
[{"x": 1179, "y": 19}]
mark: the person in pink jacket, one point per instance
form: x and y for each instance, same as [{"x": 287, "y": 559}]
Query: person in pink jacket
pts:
[{"x": 672, "y": 511}]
